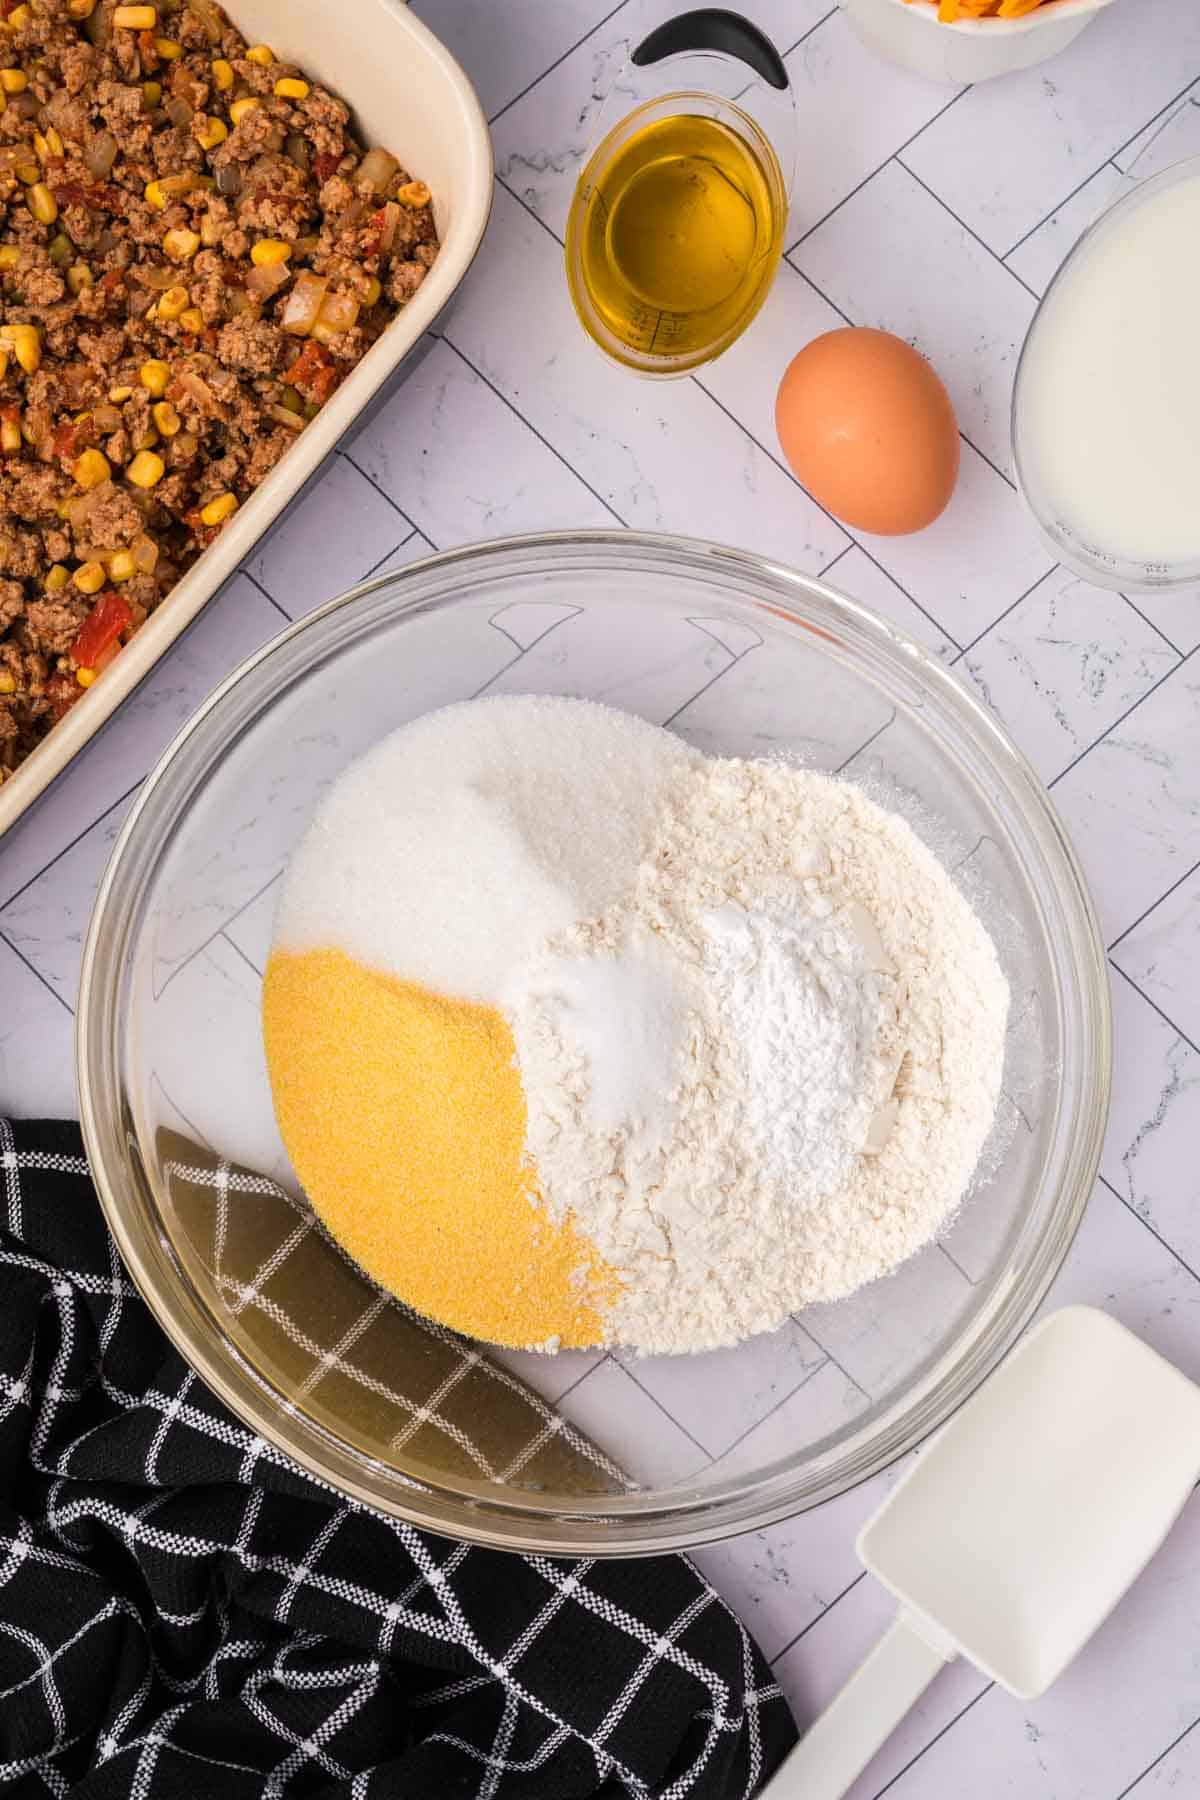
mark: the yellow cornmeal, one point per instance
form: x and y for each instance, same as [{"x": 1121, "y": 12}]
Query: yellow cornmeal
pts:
[{"x": 403, "y": 1114}]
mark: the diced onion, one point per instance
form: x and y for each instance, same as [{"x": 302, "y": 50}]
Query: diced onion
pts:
[
  {"x": 180, "y": 184},
  {"x": 107, "y": 417},
  {"x": 155, "y": 275},
  {"x": 178, "y": 111},
  {"x": 98, "y": 25},
  {"x": 208, "y": 16},
  {"x": 284, "y": 416},
  {"x": 184, "y": 446},
  {"x": 304, "y": 303},
  {"x": 229, "y": 179},
  {"x": 100, "y": 153},
  {"x": 145, "y": 553},
  {"x": 296, "y": 150},
  {"x": 339, "y": 311},
  {"x": 267, "y": 281},
  {"x": 377, "y": 168},
  {"x": 391, "y": 221}
]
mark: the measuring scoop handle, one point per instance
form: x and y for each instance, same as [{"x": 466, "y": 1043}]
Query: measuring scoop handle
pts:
[{"x": 858, "y": 1720}]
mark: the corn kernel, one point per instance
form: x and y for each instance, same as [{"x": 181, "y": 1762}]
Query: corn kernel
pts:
[
  {"x": 10, "y": 257},
  {"x": 181, "y": 245},
  {"x": 261, "y": 53},
  {"x": 10, "y": 434},
  {"x": 85, "y": 677},
  {"x": 91, "y": 469},
  {"x": 217, "y": 511},
  {"x": 292, "y": 399},
  {"x": 42, "y": 203},
  {"x": 289, "y": 88},
  {"x": 20, "y": 15},
  {"x": 90, "y": 578},
  {"x": 29, "y": 173},
  {"x": 57, "y": 577},
  {"x": 191, "y": 319},
  {"x": 166, "y": 418},
  {"x": 8, "y": 683},
  {"x": 168, "y": 49},
  {"x": 222, "y": 74},
  {"x": 146, "y": 470},
  {"x": 210, "y": 231},
  {"x": 136, "y": 18},
  {"x": 214, "y": 133},
  {"x": 79, "y": 276},
  {"x": 374, "y": 290},
  {"x": 80, "y": 9},
  {"x": 118, "y": 395},
  {"x": 155, "y": 376},
  {"x": 27, "y": 345},
  {"x": 413, "y": 193},
  {"x": 151, "y": 94},
  {"x": 14, "y": 81},
  {"x": 121, "y": 566},
  {"x": 173, "y": 302},
  {"x": 42, "y": 146},
  {"x": 155, "y": 196},
  {"x": 240, "y": 108},
  {"x": 269, "y": 252}
]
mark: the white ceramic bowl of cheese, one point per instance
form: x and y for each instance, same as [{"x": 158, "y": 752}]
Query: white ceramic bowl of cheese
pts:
[{"x": 909, "y": 32}]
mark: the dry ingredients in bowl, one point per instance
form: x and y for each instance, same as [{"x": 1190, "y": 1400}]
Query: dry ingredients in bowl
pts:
[
  {"x": 579, "y": 1037},
  {"x": 194, "y": 251}
]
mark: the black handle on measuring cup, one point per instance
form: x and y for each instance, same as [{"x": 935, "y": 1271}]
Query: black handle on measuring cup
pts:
[{"x": 712, "y": 28}]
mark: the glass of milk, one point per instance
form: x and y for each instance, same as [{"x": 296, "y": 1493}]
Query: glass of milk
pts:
[{"x": 1106, "y": 406}]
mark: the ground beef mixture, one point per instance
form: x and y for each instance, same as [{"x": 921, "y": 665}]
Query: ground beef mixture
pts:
[{"x": 194, "y": 251}]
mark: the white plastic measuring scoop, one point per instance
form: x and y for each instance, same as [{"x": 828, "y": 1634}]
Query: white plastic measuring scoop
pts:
[{"x": 1016, "y": 1531}]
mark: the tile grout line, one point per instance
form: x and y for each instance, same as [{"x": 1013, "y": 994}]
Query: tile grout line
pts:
[
  {"x": 549, "y": 70},
  {"x": 1000, "y": 617},
  {"x": 859, "y": 186},
  {"x": 37, "y": 973},
  {"x": 1153, "y": 907},
  {"x": 971, "y": 233},
  {"x": 1143, "y": 1221},
  {"x": 936, "y": 1738},
  {"x": 383, "y": 494},
  {"x": 70, "y": 845},
  {"x": 1174, "y": 1744},
  {"x": 530, "y": 426},
  {"x": 1155, "y": 1007},
  {"x": 236, "y": 948},
  {"x": 214, "y": 935},
  {"x": 1181, "y": 664},
  {"x": 769, "y": 1414},
  {"x": 267, "y": 595},
  {"x": 824, "y": 1612},
  {"x": 1110, "y": 158},
  {"x": 1146, "y": 620}
]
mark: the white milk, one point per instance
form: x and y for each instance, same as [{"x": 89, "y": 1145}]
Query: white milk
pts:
[{"x": 1108, "y": 413}]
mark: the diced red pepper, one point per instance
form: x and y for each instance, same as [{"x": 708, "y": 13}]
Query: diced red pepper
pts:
[
  {"x": 376, "y": 225},
  {"x": 325, "y": 165},
  {"x": 147, "y": 49},
  {"x": 69, "y": 440},
  {"x": 314, "y": 372},
  {"x": 101, "y": 630}
]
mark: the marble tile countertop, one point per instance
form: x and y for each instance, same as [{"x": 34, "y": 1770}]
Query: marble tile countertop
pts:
[{"x": 940, "y": 214}]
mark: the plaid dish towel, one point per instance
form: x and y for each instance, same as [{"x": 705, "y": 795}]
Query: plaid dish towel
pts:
[{"x": 182, "y": 1613}]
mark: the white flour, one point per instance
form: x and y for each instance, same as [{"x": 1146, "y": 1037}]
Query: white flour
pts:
[{"x": 823, "y": 1072}]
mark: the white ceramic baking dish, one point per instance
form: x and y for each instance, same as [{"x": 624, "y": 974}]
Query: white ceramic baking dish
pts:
[
  {"x": 408, "y": 93},
  {"x": 908, "y": 32}
]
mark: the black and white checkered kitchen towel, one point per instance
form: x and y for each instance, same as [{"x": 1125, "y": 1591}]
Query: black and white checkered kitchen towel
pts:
[{"x": 182, "y": 1614}]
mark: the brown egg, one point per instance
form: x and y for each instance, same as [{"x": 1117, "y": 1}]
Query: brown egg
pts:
[{"x": 869, "y": 430}]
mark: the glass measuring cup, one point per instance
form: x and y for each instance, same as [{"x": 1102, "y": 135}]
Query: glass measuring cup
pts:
[{"x": 677, "y": 224}]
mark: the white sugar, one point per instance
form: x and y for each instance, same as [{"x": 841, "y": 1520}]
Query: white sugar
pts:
[{"x": 458, "y": 845}]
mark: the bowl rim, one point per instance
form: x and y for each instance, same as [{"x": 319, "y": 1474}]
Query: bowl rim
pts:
[{"x": 627, "y": 1524}]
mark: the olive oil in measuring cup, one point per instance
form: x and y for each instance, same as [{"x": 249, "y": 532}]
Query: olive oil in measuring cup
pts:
[
  {"x": 679, "y": 235},
  {"x": 677, "y": 223}
]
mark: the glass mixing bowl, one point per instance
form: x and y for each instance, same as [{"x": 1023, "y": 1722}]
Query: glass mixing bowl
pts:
[{"x": 739, "y": 656}]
